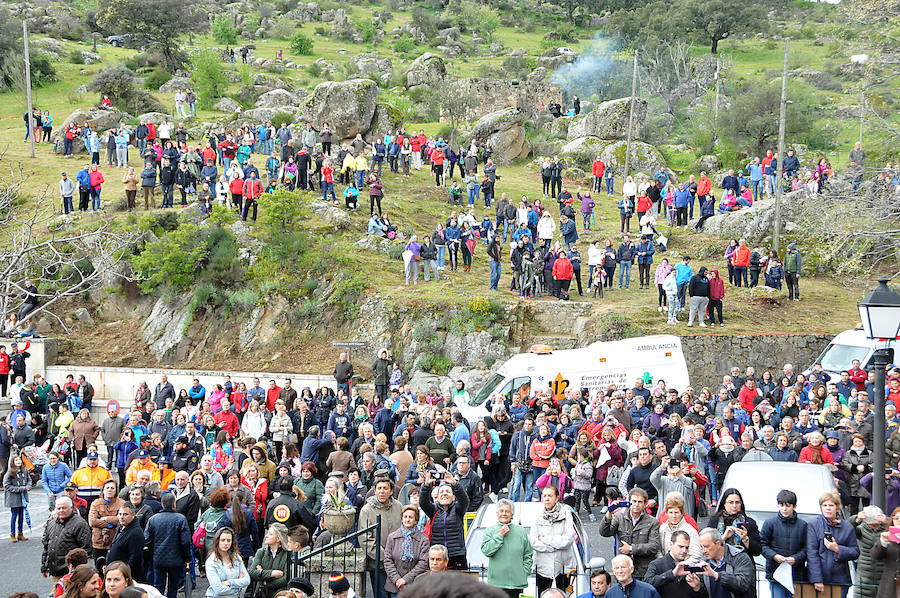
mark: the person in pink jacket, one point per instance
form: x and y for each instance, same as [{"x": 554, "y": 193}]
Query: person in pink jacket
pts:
[
  {"x": 662, "y": 270},
  {"x": 555, "y": 476}
]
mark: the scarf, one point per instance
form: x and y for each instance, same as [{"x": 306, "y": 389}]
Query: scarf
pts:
[
  {"x": 734, "y": 540},
  {"x": 406, "y": 551},
  {"x": 554, "y": 513}
]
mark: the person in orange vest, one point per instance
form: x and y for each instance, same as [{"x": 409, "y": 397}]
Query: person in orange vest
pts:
[
  {"x": 90, "y": 478},
  {"x": 141, "y": 463},
  {"x": 741, "y": 261},
  {"x": 252, "y": 191},
  {"x": 166, "y": 473}
]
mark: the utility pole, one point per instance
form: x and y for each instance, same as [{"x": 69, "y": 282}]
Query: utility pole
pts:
[
  {"x": 716, "y": 107},
  {"x": 631, "y": 115},
  {"x": 28, "y": 85},
  {"x": 862, "y": 112},
  {"x": 780, "y": 169}
]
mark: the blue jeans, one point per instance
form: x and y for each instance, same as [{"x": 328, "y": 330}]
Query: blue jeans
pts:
[
  {"x": 757, "y": 189},
  {"x": 192, "y": 106},
  {"x": 17, "y": 515},
  {"x": 67, "y": 204},
  {"x": 691, "y": 206},
  {"x": 260, "y": 145},
  {"x": 95, "y": 199},
  {"x": 740, "y": 273},
  {"x": 495, "y": 274},
  {"x": 378, "y": 589},
  {"x": 172, "y": 575},
  {"x": 325, "y": 188},
  {"x": 519, "y": 477},
  {"x": 270, "y": 146},
  {"x": 682, "y": 292},
  {"x": 472, "y": 193},
  {"x": 345, "y": 386},
  {"x": 360, "y": 179},
  {"x": 441, "y": 252},
  {"x": 625, "y": 268},
  {"x": 610, "y": 183},
  {"x": 586, "y": 220},
  {"x": 509, "y": 226},
  {"x": 226, "y": 162}
]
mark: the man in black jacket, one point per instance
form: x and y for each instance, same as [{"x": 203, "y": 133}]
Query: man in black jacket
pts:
[
  {"x": 494, "y": 256},
  {"x": 169, "y": 538},
  {"x": 625, "y": 258},
  {"x": 698, "y": 289},
  {"x": 17, "y": 362},
  {"x": 164, "y": 390},
  {"x": 187, "y": 501},
  {"x": 667, "y": 573},
  {"x": 128, "y": 543},
  {"x": 288, "y": 510},
  {"x": 343, "y": 372},
  {"x": 184, "y": 458},
  {"x": 167, "y": 182},
  {"x": 381, "y": 370},
  {"x": 730, "y": 182},
  {"x": 469, "y": 480},
  {"x": 729, "y": 571},
  {"x": 64, "y": 531}
]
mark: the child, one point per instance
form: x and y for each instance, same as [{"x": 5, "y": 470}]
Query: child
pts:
[
  {"x": 455, "y": 193},
  {"x": 487, "y": 225},
  {"x": 351, "y": 196},
  {"x": 396, "y": 376},
  {"x": 527, "y": 276},
  {"x": 598, "y": 280},
  {"x": 583, "y": 475}
]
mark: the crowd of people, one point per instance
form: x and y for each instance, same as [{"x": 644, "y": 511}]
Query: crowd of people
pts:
[{"x": 233, "y": 478}]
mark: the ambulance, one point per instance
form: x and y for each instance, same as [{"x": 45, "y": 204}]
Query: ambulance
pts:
[{"x": 597, "y": 366}]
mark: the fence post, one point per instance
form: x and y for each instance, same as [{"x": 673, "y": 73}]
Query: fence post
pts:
[{"x": 376, "y": 579}]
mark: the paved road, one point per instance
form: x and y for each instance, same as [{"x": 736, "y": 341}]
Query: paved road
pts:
[{"x": 21, "y": 561}]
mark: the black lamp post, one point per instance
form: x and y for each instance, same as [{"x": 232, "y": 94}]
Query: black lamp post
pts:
[{"x": 879, "y": 313}]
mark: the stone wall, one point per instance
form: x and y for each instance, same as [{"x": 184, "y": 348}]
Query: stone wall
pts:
[{"x": 709, "y": 357}]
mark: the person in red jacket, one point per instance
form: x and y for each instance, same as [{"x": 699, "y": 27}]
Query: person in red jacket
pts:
[
  {"x": 704, "y": 187},
  {"x": 229, "y": 150},
  {"x": 251, "y": 191},
  {"x": 328, "y": 181},
  {"x": 562, "y": 274},
  {"x": 857, "y": 375},
  {"x": 748, "y": 395},
  {"x": 437, "y": 166},
  {"x": 236, "y": 186},
  {"x": 4, "y": 371},
  {"x": 597, "y": 169},
  {"x": 97, "y": 181},
  {"x": 741, "y": 261},
  {"x": 716, "y": 294},
  {"x": 272, "y": 395}
]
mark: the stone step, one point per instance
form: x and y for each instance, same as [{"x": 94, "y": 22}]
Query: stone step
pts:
[{"x": 556, "y": 341}]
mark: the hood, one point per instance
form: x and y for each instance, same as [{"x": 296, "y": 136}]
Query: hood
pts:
[
  {"x": 715, "y": 273},
  {"x": 792, "y": 247},
  {"x": 702, "y": 270},
  {"x": 373, "y": 502}
]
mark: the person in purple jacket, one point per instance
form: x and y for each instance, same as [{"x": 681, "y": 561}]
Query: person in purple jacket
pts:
[
  {"x": 587, "y": 208},
  {"x": 412, "y": 265}
]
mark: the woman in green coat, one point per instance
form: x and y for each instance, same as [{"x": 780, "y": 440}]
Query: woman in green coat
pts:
[
  {"x": 509, "y": 552},
  {"x": 271, "y": 563},
  {"x": 311, "y": 487},
  {"x": 870, "y": 522}
]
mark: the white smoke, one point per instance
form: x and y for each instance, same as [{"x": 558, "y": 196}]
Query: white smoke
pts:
[{"x": 594, "y": 71}]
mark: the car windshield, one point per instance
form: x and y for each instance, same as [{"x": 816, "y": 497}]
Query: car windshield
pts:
[
  {"x": 487, "y": 389},
  {"x": 837, "y": 358}
]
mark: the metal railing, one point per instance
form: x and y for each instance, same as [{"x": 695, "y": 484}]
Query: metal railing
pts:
[{"x": 341, "y": 555}]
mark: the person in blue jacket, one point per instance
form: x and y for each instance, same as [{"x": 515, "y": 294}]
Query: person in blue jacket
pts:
[
  {"x": 568, "y": 231},
  {"x": 707, "y": 211},
  {"x": 197, "y": 392},
  {"x": 83, "y": 178},
  {"x": 682, "y": 201},
  {"x": 784, "y": 540},
  {"x": 453, "y": 234},
  {"x": 756, "y": 178},
  {"x": 830, "y": 546},
  {"x": 645, "y": 251},
  {"x": 54, "y": 477}
]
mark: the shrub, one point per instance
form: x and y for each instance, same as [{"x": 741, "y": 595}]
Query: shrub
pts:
[
  {"x": 223, "y": 30},
  {"x": 404, "y": 45},
  {"x": 208, "y": 76},
  {"x": 174, "y": 259},
  {"x": 435, "y": 364},
  {"x": 280, "y": 209},
  {"x": 116, "y": 81},
  {"x": 310, "y": 284},
  {"x": 75, "y": 57},
  {"x": 283, "y": 28},
  {"x": 314, "y": 69},
  {"x": 395, "y": 252},
  {"x": 308, "y": 309},
  {"x": 242, "y": 299},
  {"x": 157, "y": 78},
  {"x": 282, "y": 117},
  {"x": 302, "y": 44}
]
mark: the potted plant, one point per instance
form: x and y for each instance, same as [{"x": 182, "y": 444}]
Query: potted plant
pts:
[{"x": 338, "y": 514}]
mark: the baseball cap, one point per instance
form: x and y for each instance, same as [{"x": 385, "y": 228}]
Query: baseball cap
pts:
[
  {"x": 72, "y": 486},
  {"x": 181, "y": 439},
  {"x": 142, "y": 454},
  {"x": 93, "y": 456},
  {"x": 832, "y": 434},
  {"x": 163, "y": 460}
]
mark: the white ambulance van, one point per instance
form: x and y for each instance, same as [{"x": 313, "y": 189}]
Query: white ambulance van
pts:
[
  {"x": 596, "y": 366},
  {"x": 844, "y": 348}
]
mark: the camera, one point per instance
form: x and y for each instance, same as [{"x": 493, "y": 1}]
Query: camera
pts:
[{"x": 694, "y": 568}]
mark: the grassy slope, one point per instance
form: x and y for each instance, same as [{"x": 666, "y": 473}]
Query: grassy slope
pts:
[{"x": 828, "y": 307}]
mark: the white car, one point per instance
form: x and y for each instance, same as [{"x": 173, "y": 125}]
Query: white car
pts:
[
  {"x": 525, "y": 513},
  {"x": 759, "y": 482}
]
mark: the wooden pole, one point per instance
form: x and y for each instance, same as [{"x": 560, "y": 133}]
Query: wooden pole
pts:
[
  {"x": 716, "y": 107},
  {"x": 631, "y": 116},
  {"x": 31, "y": 126},
  {"x": 780, "y": 169}
]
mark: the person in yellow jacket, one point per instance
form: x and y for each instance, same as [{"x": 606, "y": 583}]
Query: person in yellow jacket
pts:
[
  {"x": 141, "y": 463},
  {"x": 259, "y": 458},
  {"x": 347, "y": 166},
  {"x": 62, "y": 421},
  {"x": 90, "y": 478},
  {"x": 361, "y": 165}
]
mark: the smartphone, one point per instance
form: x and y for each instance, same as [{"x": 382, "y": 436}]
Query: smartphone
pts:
[
  {"x": 829, "y": 537},
  {"x": 694, "y": 568},
  {"x": 620, "y": 505},
  {"x": 741, "y": 525},
  {"x": 894, "y": 533}
]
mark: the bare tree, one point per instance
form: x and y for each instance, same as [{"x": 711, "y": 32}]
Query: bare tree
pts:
[{"x": 63, "y": 264}]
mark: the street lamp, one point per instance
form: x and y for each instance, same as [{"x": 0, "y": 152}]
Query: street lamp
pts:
[{"x": 879, "y": 313}]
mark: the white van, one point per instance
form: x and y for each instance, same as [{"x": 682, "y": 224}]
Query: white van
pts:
[
  {"x": 844, "y": 348},
  {"x": 593, "y": 367}
]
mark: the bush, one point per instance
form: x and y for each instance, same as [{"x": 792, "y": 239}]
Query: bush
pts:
[
  {"x": 302, "y": 44},
  {"x": 308, "y": 309},
  {"x": 117, "y": 82},
  {"x": 435, "y": 364},
  {"x": 157, "y": 78},
  {"x": 282, "y": 117},
  {"x": 404, "y": 45},
  {"x": 283, "y": 28},
  {"x": 174, "y": 259},
  {"x": 75, "y": 57},
  {"x": 314, "y": 69},
  {"x": 142, "y": 101},
  {"x": 209, "y": 78},
  {"x": 223, "y": 30}
]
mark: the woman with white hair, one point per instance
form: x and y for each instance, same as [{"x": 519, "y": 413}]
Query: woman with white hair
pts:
[
  {"x": 271, "y": 561},
  {"x": 509, "y": 551}
]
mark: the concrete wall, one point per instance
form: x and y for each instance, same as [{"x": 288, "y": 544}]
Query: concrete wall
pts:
[
  {"x": 43, "y": 352},
  {"x": 709, "y": 357}
]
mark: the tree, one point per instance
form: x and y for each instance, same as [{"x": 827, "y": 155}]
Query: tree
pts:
[
  {"x": 223, "y": 31},
  {"x": 668, "y": 72},
  {"x": 208, "y": 77},
  {"x": 456, "y": 101},
  {"x": 12, "y": 56},
  {"x": 161, "y": 22},
  {"x": 62, "y": 265},
  {"x": 174, "y": 259},
  {"x": 751, "y": 122},
  {"x": 715, "y": 20},
  {"x": 302, "y": 44}
]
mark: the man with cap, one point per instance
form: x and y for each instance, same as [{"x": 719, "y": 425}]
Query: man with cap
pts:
[
  {"x": 184, "y": 458},
  {"x": 67, "y": 190},
  {"x": 166, "y": 473},
  {"x": 301, "y": 583},
  {"x": 79, "y": 504},
  {"x": 143, "y": 479},
  {"x": 90, "y": 478},
  {"x": 144, "y": 444},
  {"x": 141, "y": 463},
  {"x": 339, "y": 586}
]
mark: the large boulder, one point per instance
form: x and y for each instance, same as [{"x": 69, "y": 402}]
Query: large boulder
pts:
[
  {"x": 368, "y": 64},
  {"x": 174, "y": 84},
  {"x": 556, "y": 57},
  {"x": 153, "y": 117},
  {"x": 584, "y": 149},
  {"x": 427, "y": 68},
  {"x": 756, "y": 222},
  {"x": 348, "y": 106},
  {"x": 334, "y": 216},
  {"x": 504, "y": 133},
  {"x": 100, "y": 120},
  {"x": 227, "y": 105},
  {"x": 50, "y": 46},
  {"x": 644, "y": 157},
  {"x": 609, "y": 120},
  {"x": 277, "y": 98},
  {"x": 259, "y": 115}
]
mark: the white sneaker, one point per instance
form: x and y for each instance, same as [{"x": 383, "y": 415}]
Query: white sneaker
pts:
[
  {"x": 690, "y": 325},
  {"x": 702, "y": 325}
]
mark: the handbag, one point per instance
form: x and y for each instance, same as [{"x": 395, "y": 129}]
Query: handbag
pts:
[{"x": 199, "y": 537}]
